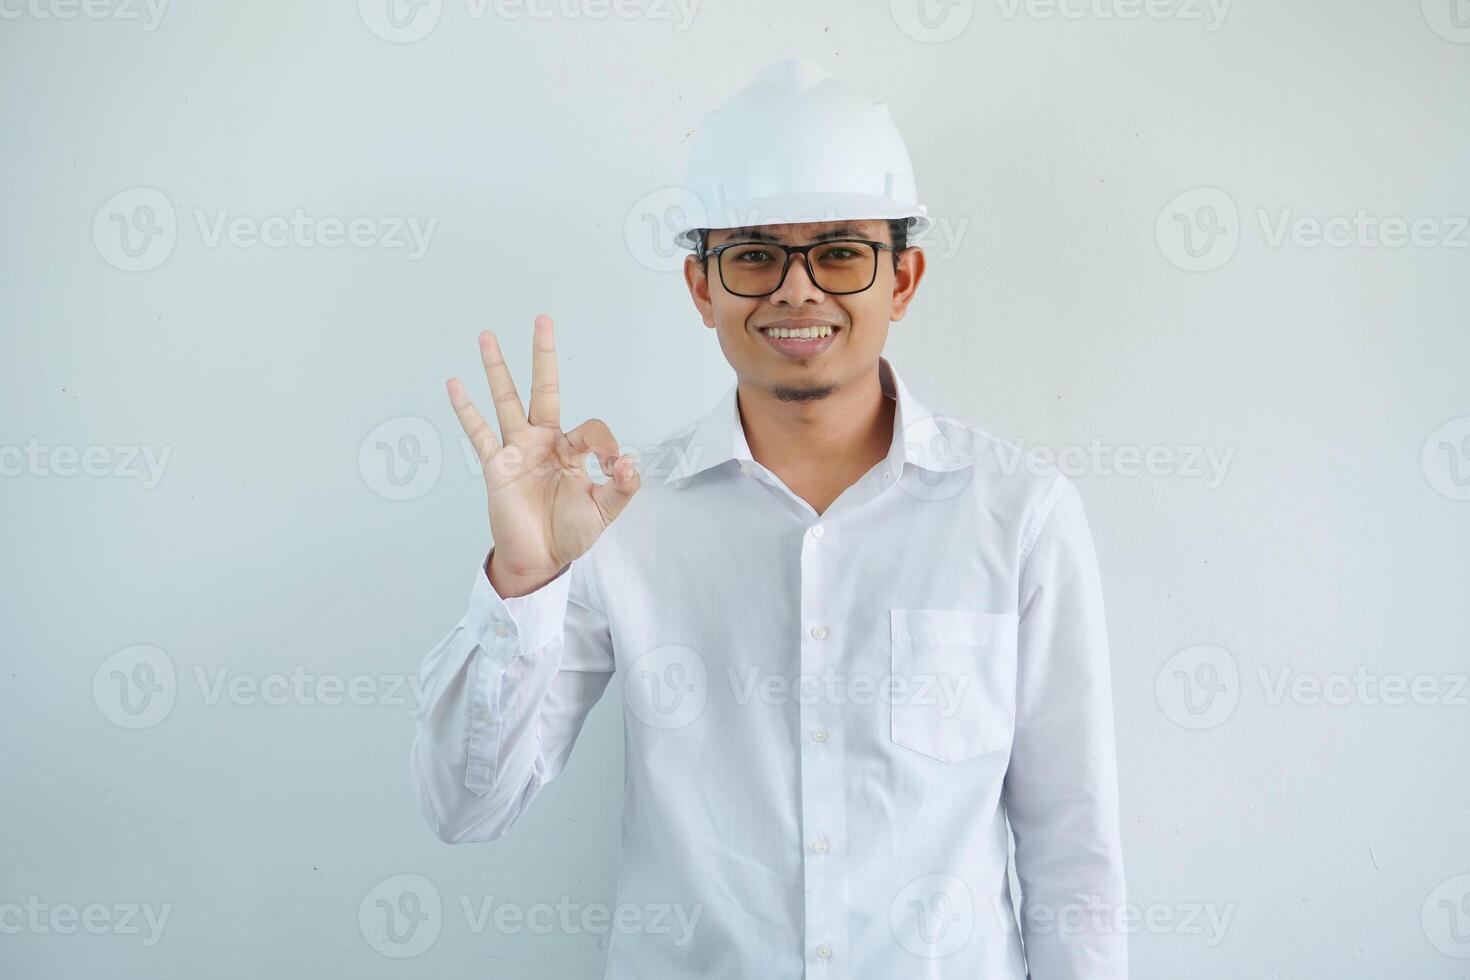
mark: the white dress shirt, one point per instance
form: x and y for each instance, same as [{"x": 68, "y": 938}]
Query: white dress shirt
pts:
[{"x": 828, "y": 718}]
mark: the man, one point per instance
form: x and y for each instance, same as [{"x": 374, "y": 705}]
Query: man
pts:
[{"x": 858, "y": 640}]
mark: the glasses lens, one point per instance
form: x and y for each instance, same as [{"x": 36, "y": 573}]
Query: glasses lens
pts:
[
  {"x": 844, "y": 267},
  {"x": 751, "y": 270},
  {"x": 841, "y": 267}
]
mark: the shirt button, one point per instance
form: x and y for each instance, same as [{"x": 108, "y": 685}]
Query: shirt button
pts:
[
  {"x": 501, "y": 631},
  {"x": 484, "y": 715},
  {"x": 824, "y": 952},
  {"x": 745, "y": 469},
  {"x": 819, "y": 734},
  {"x": 818, "y": 530},
  {"x": 820, "y": 845},
  {"x": 819, "y": 631}
]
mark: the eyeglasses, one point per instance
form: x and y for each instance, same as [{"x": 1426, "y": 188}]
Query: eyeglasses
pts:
[{"x": 837, "y": 267}]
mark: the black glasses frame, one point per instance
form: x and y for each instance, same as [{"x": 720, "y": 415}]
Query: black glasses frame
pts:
[{"x": 806, "y": 259}]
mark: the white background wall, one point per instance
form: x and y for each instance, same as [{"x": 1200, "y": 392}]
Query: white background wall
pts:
[{"x": 1059, "y": 311}]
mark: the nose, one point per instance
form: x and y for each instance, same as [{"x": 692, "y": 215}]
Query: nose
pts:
[{"x": 797, "y": 286}]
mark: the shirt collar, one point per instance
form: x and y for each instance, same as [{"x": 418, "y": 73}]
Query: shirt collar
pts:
[{"x": 917, "y": 436}]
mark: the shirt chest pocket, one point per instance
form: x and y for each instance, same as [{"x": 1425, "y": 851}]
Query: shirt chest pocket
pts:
[{"x": 954, "y": 681}]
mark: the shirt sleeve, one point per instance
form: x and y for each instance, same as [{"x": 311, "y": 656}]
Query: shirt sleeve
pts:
[
  {"x": 1060, "y": 791},
  {"x": 506, "y": 693}
]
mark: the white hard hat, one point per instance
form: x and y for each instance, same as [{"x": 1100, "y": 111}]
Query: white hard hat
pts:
[{"x": 798, "y": 145}]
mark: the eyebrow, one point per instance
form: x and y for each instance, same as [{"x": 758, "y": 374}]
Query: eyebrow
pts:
[{"x": 755, "y": 234}]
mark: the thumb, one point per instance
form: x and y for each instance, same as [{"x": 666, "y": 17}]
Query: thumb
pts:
[{"x": 613, "y": 496}]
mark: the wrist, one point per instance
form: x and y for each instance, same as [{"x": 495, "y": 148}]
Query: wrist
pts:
[{"x": 513, "y": 584}]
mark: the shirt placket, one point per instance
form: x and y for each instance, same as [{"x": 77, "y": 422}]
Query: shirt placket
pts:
[{"x": 823, "y": 796}]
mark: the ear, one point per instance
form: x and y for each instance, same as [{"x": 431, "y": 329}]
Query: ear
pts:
[
  {"x": 906, "y": 280},
  {"x": 698, "y": 283}
]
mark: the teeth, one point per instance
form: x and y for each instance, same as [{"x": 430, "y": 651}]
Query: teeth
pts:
[{"x": 800, "y": 333}]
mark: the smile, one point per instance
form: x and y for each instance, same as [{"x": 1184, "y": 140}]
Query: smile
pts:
[{"x": 804, "y": 341}]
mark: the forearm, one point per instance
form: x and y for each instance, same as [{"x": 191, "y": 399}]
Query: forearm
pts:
[{"x": 498, "y": 712}]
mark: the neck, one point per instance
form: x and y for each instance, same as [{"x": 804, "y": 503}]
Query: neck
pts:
[{"x": 836, "y": 437}]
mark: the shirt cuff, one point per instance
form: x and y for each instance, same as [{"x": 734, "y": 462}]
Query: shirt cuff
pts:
[{"x": 509, "y": 628}]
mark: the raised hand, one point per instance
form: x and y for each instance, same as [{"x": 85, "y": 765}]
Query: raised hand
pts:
[{"x": 545, "y": 510}]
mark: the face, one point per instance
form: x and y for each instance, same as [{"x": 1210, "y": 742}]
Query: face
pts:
[{"x": 796, "y": 369}]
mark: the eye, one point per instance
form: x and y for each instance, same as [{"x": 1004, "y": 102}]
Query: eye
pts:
[{"x": 752, "y": 255}]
